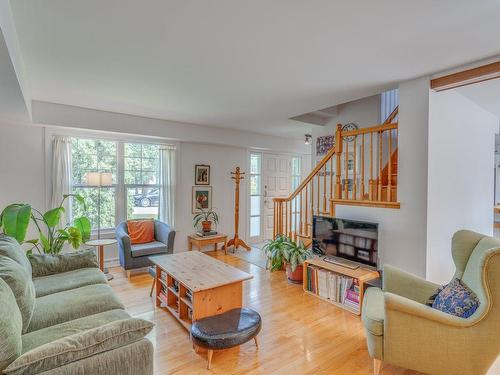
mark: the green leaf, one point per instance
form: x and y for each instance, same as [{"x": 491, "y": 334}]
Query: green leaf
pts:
[
  {"x": 15, "y": 220},
  {"x": 34, "y": 241},
  {"x": 74, "y": 237},
  {"x": 84, "y": 226},
  {"x": 45, "y": 243},
  {"x": 52, "y": 217},
  {"x": 78, "y": 198}
]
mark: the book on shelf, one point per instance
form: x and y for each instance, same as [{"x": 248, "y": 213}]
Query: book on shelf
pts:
[
  {"x": 332, "y": 286},
  {"x": 200, "y": 233}
]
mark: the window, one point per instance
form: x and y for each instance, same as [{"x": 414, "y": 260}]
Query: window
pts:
[
  {"x": 136, "y": 183},
  {"x": 255, "y": 194},
  {"x": 141, "y": 174},
  {"x": 296, "y": 177},
  {"x": 91, "y": 155}
]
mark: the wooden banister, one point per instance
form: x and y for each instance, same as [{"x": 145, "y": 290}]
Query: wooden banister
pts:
[{"x": 319, "y": 192}]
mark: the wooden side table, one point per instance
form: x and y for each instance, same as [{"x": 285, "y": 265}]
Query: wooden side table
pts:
[
  {"x": 199, "y": 242},
  {"x": 100, "y": 244}
]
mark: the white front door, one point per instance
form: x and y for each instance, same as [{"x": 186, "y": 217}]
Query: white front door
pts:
[{"x": 276, "y": 182}]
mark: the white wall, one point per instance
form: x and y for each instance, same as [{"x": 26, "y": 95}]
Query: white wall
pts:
[
  {"x": 461, "y": 176},
  {"x": 21, "y": 165},
  {"x": 402, "y": 233}
]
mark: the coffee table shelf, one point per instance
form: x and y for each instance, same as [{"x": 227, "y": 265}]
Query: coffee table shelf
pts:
[{"x": 213, "y": 286}]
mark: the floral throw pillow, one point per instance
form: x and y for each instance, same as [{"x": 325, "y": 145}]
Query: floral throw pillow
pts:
[{"x": 457, "y": 299}]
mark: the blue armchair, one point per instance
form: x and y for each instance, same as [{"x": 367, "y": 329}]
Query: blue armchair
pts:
[{"x": 137, "y": 256}]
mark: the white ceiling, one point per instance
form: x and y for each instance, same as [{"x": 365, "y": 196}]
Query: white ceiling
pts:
[
  {"x": 242, "y": 64},
  {"x": 485, "y": 94}
]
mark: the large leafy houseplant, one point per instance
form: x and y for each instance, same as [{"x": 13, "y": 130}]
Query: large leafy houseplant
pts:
[
  {"x": 15, "y": 219},
  {"x": 206, "y": 217},
  {"x": 284, "y": 252}
]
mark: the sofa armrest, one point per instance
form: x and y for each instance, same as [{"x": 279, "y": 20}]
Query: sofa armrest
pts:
[
  {"x": 407, "y": 285},
  {"x": 49, "y": 264},
  {"x": 397, "y": 303}
]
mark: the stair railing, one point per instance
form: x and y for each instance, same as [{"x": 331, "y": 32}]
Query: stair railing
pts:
[{"x": 350, "y": 173}]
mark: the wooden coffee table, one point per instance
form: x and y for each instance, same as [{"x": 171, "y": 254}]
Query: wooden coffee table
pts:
[
  {"x": 192, "y": 285},
  {"x": 199, "y": 241}
]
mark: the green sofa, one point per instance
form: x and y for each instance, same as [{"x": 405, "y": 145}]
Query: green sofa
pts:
[
  {"x": 401, "y": 329},
  {"x": 58, "y": 315}
]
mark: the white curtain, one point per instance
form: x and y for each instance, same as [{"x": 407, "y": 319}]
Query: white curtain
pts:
[
  {"x": 167, "y": 184},
  {"x": 61, "y": 173}
]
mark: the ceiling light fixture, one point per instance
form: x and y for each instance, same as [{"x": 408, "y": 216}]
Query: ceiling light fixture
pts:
[{"x": 307, "y": 140}]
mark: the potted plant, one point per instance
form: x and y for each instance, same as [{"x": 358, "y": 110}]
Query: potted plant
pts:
[
  {"x": 284, "y": 253},
  {"x": 15, "y": 219},
  {"x": 295, "y": 256},
  {"x": 206, "y": 217}
]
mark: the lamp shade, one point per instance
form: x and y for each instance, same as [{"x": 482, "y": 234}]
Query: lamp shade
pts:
[{"x": 98, "y": 179}]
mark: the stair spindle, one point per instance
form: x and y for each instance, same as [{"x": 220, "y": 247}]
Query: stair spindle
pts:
[{"x": 389, "y": 169}]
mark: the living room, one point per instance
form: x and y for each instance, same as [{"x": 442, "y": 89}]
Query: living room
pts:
[{"x": 186, "y": 190}]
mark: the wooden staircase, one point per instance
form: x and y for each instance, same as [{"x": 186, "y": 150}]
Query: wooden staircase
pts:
[{"x": 353, "y": 172}]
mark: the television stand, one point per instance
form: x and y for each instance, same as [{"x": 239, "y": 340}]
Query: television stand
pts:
[{"x": 341, "y": 262}]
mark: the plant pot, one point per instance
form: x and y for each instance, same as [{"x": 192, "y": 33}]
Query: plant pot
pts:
[
  {"x": 295, "y": 276},
  {"x": 206, "y": 225}
]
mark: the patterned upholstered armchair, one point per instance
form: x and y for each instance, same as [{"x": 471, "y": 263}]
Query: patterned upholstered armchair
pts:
[
  {"x": 136, "y": 256},
  {"x": 401, "y": 329}
]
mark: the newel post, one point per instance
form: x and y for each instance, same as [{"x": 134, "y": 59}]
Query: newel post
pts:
[{"x": 338, "y": 157}]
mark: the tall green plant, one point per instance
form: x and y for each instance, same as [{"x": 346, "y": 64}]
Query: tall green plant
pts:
[
  {"x": 284, "y": 250},
  {"x": 52, "y": 235}
]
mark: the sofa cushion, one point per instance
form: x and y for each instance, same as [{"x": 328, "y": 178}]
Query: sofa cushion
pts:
[
  {"x": 373, "y": 312},
  {"x": 73, "y": 304},
  {"x": 49, "y": 264},
  {"x": 456, "y": 299},
  {"x": 9, "y": 247},
  {"x": 43, "y": 336},
  {"x": 151, "y": 248},
  {"x": 141, "y": 231},
  {"x": 11, "y": 325},
  {"x": 22, "y": 286},
  {"x": 60, "y": 282},
  {"x": 79, "y": 346}
]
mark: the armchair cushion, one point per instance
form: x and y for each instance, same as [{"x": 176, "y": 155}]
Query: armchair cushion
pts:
[
  {"x": 456, "y": 299},
  {"x": 150, "y": 248},
  {"x": 80, "y": 345},
  {"x": 49, "y": 264},
  {"x": 141, "y": 231},
  {"x": 373, "y": 311}
]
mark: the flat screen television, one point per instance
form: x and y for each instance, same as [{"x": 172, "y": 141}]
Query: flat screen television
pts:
[{"x": 355, "y": 241}]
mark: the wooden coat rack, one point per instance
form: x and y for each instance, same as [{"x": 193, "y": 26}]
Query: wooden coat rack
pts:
[{"x": 237, "y": 176}]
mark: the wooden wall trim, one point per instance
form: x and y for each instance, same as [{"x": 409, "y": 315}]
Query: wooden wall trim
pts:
[{"x": 466, "y": 77}]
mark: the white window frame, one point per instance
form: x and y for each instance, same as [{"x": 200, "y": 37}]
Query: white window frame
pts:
[{"x": 258, "y": 238}]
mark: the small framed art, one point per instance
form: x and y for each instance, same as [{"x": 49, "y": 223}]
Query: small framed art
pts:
[
  {"x": 202, "y": 198},
  {"x": 201, "y": 174}
]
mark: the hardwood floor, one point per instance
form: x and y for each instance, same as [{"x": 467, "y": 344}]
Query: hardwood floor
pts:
[{"x": 300, "y": 335}]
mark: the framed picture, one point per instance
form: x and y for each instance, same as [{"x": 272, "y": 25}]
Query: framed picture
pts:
[
  {"x": 324, "y": 144},
  {"x": 201, "y": 174},
  {"x": 202, "y": 198}
]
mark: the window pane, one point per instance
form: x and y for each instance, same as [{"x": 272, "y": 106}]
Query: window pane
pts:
[
  {"x": 90, "y": 155},
  {"x": 296, "y": 166},
  {"x": 141, "y": 163},
  {"x": 132, "y": 178},
  {"x": 132, "y": 149},
  {"x": 91, "y": 196},
  {"x": 255, "y": 205},
  {"x": 254, "y": 185},
  {"x": 255, "y": 163},
  {"x": 142, "y": 203},
  {"x": 255, "y": 226}
]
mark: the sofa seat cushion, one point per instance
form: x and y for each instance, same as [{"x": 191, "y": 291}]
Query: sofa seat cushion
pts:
[
  {"x": 22, "y": 286},
  {"x": 373, "y": 313},
  {"x": 79, "y": 346},
  {"x": 46, "y": 335},
  {"x": 150, "y": 248},
  {"x": 11, "y": 325},
  {"x": 68, "y": 280},
  {"x": 72, "y": 304}
]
